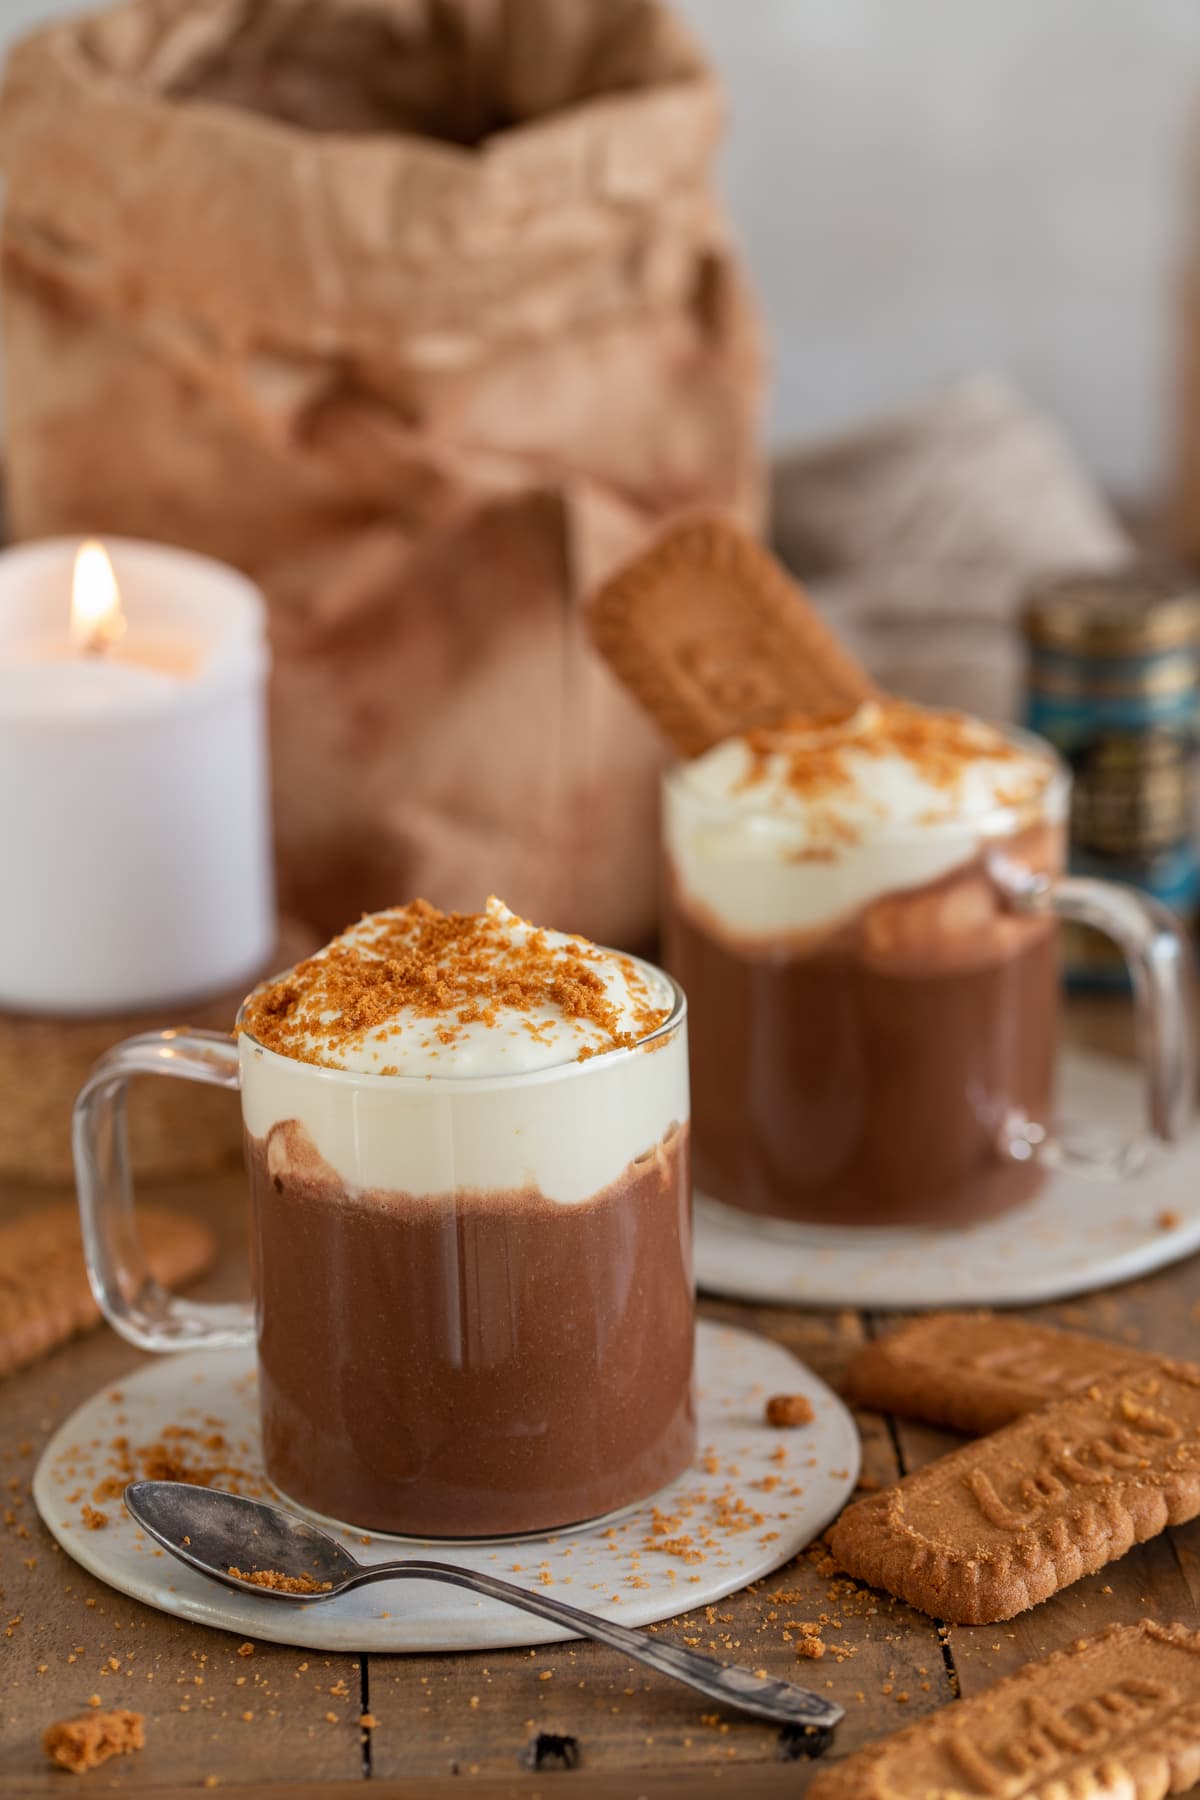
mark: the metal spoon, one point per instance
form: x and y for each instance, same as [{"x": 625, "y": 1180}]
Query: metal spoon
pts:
[{"x": 213, "y": 1532}]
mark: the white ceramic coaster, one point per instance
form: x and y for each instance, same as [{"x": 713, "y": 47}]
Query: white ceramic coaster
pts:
[
  {"x": 1076, "y": 1235},
  {"x": 754, "y": 1498}
]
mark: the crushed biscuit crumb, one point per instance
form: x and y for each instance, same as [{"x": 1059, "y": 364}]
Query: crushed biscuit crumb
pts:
[
  {"x": 281, "y": 1583},
  {"x": 453, "y": 970},
  {"x": 789, "y": 1409},
  {"x": 92, "y": 1738}
]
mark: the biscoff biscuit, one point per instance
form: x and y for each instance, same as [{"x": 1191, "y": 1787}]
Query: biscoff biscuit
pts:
[
  {"x": 45, "y": 1298},
  {"x": 1116, "y": 1714},
  {"x": 1010, "y": 1519},
  {"x": 713, "y": 637},
  {"x": 977, "y": 1371}
]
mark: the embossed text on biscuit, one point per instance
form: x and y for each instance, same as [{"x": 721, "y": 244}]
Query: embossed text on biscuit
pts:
[
  {"x": 1134, "y": 1440},
  {"x": 1044, "y": 1738}
]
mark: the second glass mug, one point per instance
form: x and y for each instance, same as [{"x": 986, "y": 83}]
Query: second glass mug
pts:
[
  {"x": 899, "y": 1069},
  {"x": 473, "y": 1303}
]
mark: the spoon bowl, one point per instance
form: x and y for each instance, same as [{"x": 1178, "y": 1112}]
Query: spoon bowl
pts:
[
  {"x": 216, "y": 1533},
  {"x": 213, "y": 1531}
]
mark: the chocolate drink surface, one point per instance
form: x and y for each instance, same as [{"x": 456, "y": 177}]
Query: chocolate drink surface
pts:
[
  {"x": 468, "y": 1145},
  {"x": 471, "y": 1364},
  {"x": 873, "y": 1023},
  {"x": 889, "y": 1112}
]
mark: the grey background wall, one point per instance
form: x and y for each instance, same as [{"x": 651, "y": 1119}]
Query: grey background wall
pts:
[{"x": 928, "y": 186}]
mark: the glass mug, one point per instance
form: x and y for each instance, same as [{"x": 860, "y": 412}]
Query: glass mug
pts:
[
  {"x": 898, "y": 1067},
  {"x": 473, "y": 1304}
]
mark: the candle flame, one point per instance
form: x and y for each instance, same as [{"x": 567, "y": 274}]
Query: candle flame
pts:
[{"x": 97, "y": 622}]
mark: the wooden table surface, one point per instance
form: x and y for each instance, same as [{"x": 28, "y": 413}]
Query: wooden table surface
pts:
[{"x": 488, "y": 1725}]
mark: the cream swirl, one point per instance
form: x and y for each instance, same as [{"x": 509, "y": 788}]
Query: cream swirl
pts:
[
  {"x": 795, "y": 829},
  {"x": 415, "y": 992}
]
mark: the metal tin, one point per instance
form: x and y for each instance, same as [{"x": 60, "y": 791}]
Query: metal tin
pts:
[{"x": 1114, "y": 684}]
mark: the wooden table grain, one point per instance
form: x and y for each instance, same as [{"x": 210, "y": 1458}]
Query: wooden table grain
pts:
[{"x": 506, "y": 1723}]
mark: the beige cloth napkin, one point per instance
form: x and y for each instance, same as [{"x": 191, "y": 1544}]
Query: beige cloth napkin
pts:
[{"x": 919, "y": 537}]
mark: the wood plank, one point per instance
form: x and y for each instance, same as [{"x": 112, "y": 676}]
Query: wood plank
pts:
[
  {"x": 1158, "y": 1579},
  {"x": 66, "y": 1627},
  {"x": 779, "y": 1779},
  {"x": 289, "y": 1737},
  {"x": 626, "y": 1722},
  {"x": 481, "y": 1715},
  {"x": 1152, "y": 1580}
]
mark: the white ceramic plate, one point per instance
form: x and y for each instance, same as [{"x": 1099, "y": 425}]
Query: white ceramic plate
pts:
[
  {"x": 791, "y": 1483},
  {"x": 1076, "y": 1235}
]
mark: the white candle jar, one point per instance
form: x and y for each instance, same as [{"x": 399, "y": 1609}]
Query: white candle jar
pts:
[{"x": 134, "y": 798}]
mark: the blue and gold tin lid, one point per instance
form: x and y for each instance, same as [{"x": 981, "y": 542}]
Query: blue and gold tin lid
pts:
[{"x": 1138, "y": 610}]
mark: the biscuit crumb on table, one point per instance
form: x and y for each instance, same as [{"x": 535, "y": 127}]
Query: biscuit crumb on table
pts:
[
  {"x": 87, "y": 1741},
  {"x": 789, "y": 1409}
]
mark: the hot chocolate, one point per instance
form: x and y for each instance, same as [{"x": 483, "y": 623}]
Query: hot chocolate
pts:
[
  {"x": 475, "y": 1362},
  {"x": 873, "y": 1022},
  {"x": 468, "y": 1145}
]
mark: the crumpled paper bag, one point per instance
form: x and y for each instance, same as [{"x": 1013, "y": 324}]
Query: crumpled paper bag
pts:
[{"x": 424, "y": 313}]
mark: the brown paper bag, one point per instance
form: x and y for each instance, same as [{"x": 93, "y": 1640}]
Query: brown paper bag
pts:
[{"x": 422, "y": 311}]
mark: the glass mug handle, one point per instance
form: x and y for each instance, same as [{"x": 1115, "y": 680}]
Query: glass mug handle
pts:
[
  {"x": 1158, "y": 956},
  {"x": 130, "y": 1298}
]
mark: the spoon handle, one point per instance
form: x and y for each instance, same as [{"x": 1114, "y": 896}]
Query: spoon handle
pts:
[{"x": 778, "y": 1701}]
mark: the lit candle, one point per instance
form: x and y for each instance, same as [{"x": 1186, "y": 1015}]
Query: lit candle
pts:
[
  {"x": 97, "y": 621},
  {"x": 134, "y": 808}
]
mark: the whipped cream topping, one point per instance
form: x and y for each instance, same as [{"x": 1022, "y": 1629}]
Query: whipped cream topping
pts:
[
  {"x": 416, "y": 992},
  {"x": 465, "y": 1003},
  {"x": 794, "y": 829}
]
